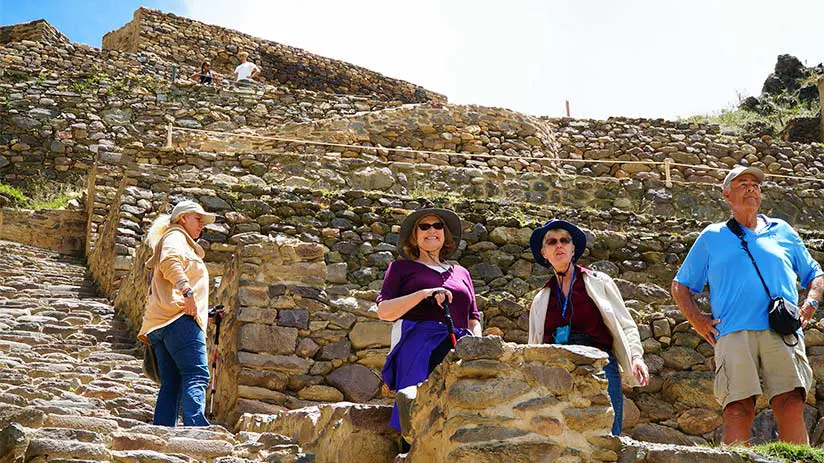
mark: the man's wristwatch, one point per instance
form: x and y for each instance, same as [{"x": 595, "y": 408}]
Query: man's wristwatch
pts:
[
  {"x": 188, "y": 292},
  {"x": 812, "y": 302}
]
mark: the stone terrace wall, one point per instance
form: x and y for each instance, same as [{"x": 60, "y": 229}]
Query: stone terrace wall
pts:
[
  {"x": 268, "y": 291},
  {"x": 494, "y": 401},
  {"x": 337, "y": 326},
  {"x": 546, "y": 144},
  {"x": 180, "y": 39},
  {"x": 63, "y": 231},
  {"x": 34, "y": 31},
  {"x": 688, "y": 143},
  {"x": 54, "y": 128}
]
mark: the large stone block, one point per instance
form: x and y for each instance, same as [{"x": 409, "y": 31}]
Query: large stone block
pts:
[
  {"x": 478, "y": 394},
  {"x": 254, "y": 337},
  {"x": 358, "y": 383},
  {"x": 371, "y": 334},
  {"x": 473, "y": 347},
  {"x": 285, "y": 363}
]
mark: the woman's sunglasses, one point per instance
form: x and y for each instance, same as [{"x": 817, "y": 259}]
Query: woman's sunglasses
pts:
[
  {"x": 554, "y": 241},
  {"x": 427, "y": 226}
]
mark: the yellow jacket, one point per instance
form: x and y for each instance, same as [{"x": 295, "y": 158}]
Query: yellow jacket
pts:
[
  {"x": 176, "y": 257},
  {"x": 626, "y": 341}
]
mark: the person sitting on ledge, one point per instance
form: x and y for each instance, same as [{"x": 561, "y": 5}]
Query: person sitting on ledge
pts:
[
  {"x": 206, "y": 76},
  {"x": 414, "y": 290},
  {"x": 246, "y": 71},
  {"x": 584, "y": 307}
]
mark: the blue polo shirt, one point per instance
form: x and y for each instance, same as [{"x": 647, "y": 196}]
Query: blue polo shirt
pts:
[{"x": 737, "y": 296}]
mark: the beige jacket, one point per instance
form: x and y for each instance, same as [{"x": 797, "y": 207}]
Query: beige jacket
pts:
[
  {"x": 176, "y": 257},
  {"x": 626, "y": 342}
]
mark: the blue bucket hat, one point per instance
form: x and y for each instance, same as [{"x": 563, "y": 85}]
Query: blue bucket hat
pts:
[{"x": 536, "y": 241}]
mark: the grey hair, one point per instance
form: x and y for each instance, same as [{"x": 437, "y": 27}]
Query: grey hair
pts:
[{"x": 554, "y": 230}]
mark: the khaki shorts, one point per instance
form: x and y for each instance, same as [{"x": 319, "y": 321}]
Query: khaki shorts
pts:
[{"x": 740, "y": 356}]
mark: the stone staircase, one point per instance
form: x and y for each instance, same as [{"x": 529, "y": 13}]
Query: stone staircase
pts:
[{"x": 71, "y": 386}]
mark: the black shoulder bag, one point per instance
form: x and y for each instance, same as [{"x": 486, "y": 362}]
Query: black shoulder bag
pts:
[{"x": 783, "y": 314}]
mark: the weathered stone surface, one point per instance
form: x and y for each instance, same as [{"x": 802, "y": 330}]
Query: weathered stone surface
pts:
[
  {"x": 358, "y": 383},
  {"x": 286, "y": 363},
  {"x": 370, "y": 334},
  {"x": 320, "y": 393},
  {"x": 556, "y": 379},
  {"x": 473, "y": 393},
  {"x": 581, "y": 419},
  {"x": 699, "y": 421},
  {"x": 650, "y": 432},
  {"x": 681, "y": 358},
  {"x": 473, "y": 348},
  {"x": 693, "y": 389},
  {"x": 336, "y": 350},
  {"x": 66, "y": 449},
  {"x": 255, "y": 337}
]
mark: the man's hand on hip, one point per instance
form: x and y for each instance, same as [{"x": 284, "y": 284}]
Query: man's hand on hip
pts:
[
  {"x": 805, "y": 313},
  {"x": 704, "y": 324}
]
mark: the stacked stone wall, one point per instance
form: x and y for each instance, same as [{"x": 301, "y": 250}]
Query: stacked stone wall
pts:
[
  {"x": 183, "y": 40},
  {"x": 335, "y": 324},
  {"x": 63, "y": 231},
  {"x": 54, "y": 128},
  {"x": 34, "y": 31},
  {"x": 503, "y": 140},
  {"x": 494, "y": 401},
  {"x": 687, "y": 143}
]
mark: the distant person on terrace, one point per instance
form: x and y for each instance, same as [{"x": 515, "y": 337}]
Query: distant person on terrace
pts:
[
  {"x": 246, "y": 71},
  {"x": 177, "y": 309},
  {"x": 206, "y": 76},
  {"x": 751, "y": 358},
  {"x": 584, "y": 307},
  {"x": 414, "y": 290}
]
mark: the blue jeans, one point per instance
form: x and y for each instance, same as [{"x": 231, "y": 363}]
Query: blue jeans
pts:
[
  {"x": 616, "y": 394},
  {"x": 180, "y": 349}
]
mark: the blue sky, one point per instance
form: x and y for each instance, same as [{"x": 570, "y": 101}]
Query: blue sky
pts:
[
  {"x": 636, "y": 58},
  {"x": 81, "y": 21}
]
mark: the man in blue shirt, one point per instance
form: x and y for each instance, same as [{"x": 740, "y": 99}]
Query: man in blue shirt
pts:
[{"x": 739, "y": 326}]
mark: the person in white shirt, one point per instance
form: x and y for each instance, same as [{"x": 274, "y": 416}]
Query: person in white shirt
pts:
[{"x": 246, "y": 71}]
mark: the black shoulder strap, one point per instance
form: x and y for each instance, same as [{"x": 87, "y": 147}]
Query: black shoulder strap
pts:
[{"x": 733, "y": 225}]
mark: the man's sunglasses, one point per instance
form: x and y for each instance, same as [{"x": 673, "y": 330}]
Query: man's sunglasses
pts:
[
  {"x": 554, "y": 241},
  {"x": 427, "y": 226}
]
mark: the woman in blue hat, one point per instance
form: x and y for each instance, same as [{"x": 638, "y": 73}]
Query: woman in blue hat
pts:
[{"x": 584, "y": 307}]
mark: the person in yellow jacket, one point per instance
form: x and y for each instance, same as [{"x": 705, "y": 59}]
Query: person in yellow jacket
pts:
[{"x": 177, "y": 310}]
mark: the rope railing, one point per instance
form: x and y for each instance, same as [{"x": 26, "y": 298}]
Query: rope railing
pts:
[{"x": 667, "y": 163}]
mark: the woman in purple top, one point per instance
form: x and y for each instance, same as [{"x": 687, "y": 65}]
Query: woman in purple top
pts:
[{"x": 414, "y": 289}]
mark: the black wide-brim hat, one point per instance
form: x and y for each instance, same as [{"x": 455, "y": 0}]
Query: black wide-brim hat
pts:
[
  {"x": 451, "y": 219},
  {"x": 536, "y": 241}
]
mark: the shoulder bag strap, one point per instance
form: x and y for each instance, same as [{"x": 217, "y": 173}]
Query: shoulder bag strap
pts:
[{"x": 736, "y": 228}]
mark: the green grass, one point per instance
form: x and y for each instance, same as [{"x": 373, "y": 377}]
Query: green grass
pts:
[
  {"x": 42, "y": 196},
  {"x": 16, "y": 196},
  {"x": 57, "y": 201},
  {"x": 736, "y": 119},
  {"x": 791, "y": 452}
]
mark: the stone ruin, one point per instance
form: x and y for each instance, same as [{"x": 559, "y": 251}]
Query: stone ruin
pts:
[{"x": 306, "y": 231}]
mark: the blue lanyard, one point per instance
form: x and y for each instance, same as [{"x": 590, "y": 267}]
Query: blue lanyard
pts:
[{"x": 563, "y": 303}]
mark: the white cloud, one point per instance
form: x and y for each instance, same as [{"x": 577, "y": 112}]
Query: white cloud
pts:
[{"x": 647, "y": 58}]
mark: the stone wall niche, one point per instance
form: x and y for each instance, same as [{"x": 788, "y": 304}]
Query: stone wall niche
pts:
[{"x": 493, "y": 401}]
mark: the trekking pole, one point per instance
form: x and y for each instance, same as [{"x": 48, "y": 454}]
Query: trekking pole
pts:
[
  {"x": 447, "y": 318},
  {"x": 217, "y": 313}
]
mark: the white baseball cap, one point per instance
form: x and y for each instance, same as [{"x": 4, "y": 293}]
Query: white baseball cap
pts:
[
  {"x": 191, "y": 206},
  {"x": 739, "y": 170}
]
